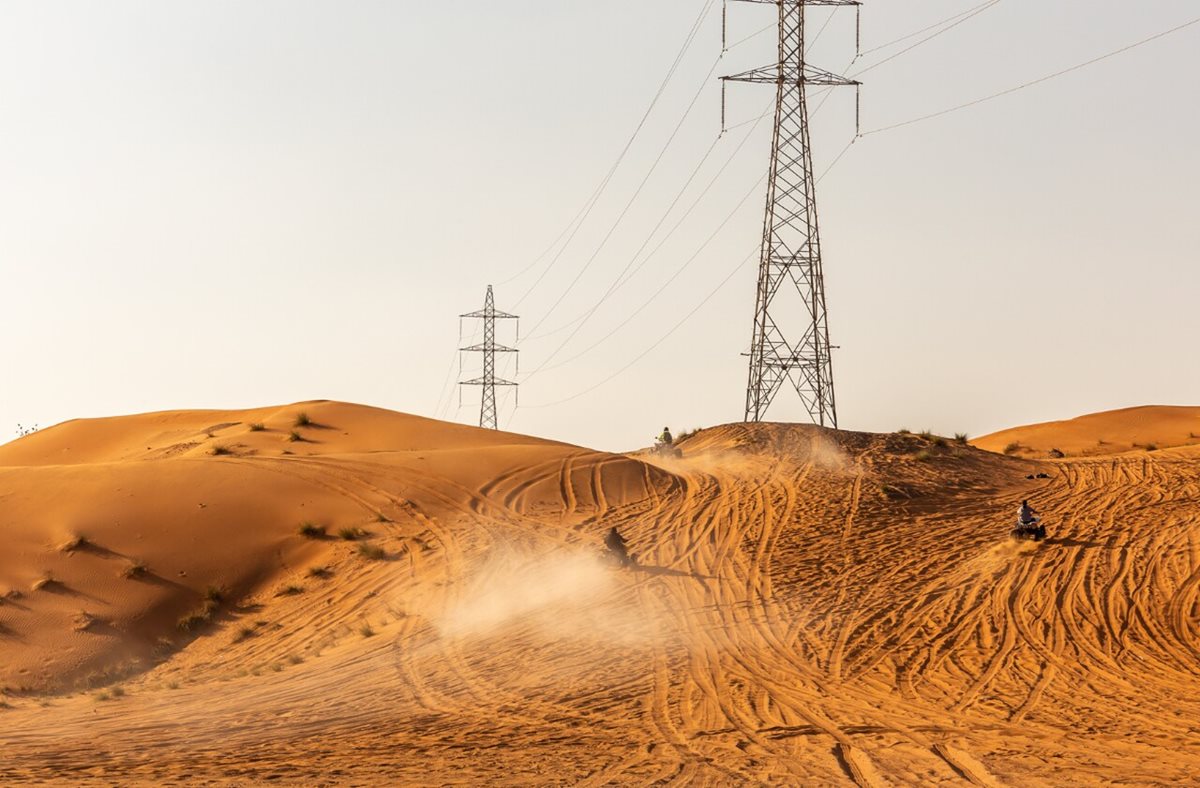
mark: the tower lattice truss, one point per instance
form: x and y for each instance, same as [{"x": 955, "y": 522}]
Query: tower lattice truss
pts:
[
  {"x": 790, "y": 340},
  {"x": 489, "y": 348}
]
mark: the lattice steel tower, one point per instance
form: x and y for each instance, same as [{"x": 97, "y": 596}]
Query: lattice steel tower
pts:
[
  {"x": 791, "y": 340},
  {"x": 488, "y": 380}
]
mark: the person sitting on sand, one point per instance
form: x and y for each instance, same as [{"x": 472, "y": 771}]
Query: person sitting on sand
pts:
[
  {"x": 1026, "y": 515},
  {"x": 666, "y": 436}
]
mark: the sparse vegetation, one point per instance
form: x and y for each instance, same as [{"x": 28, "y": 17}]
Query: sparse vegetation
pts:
[
  {"x": 295, "y": 659},
  {"x": 257, "y": 426},
  {"x": 76, "y": 542},
  {"x": 302, "y": 420},
  {"x": 295, "y": 437},
  {"x": 1012, "y": 448},
  {"x": 1151, "y": 447},
  {"x": 310, "y": 530},
  {"x": 289, "y": 590},
  {"x": 923, "y": 455},
  {"x": 903, "y": 431},
  {"x": 1057, "y": 454},
  {"x": 215, "y": 594},
  {"x": 960, "y": 437},
  {"x": 925, "y": 434},
  {"x": 221, "y": 450},
  {"x": 366, "y": 631},
  {"x": 320, "y": 571},
  {"x": 136, "y": 569},
  {"x": 939, "y": 441},
  {"x": 172, "y": 685},
  {"x": 371, "y": 552},
  {"x": 46, "y": 582},
  {"x": 198, "y": 618},
  {"x": 381, "y": 518},
  {"x": 687, "y": 434},
  {"x": 276, "y": 667},
  {"x": 243, "y": 633},
  {"x": 352, "y": 534}
]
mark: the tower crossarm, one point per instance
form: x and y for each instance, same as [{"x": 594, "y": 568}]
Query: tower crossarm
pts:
[
  {"x": 484, "y": 347},
  {"x": 802, "y": 2},
  {"x": 789, "y": 75}
]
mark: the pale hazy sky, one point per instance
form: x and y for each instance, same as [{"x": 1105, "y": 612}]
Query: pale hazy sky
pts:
[{"x": 235, "y": 204}]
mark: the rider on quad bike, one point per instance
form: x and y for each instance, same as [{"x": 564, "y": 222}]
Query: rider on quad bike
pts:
[
  {"x": 664, "y": 445},
  {"x": 1029, "y": 524},
  {"x": 616, "y": 545}
]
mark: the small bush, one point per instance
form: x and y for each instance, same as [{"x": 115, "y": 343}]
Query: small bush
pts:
[
  {"x": 923, "y": 455},
  {"x": 221, "y": 450},
  {"x": 118, "y": 692},
  {"x": 320, "y": 572},
  {"x": 295, "y": 437},
  {"x": 960, "y": 437},
  {"x": 1151, "y": 447},
  {"x": 903, "y": 431},
  {"x": 1057, "y": 454},
  {"x": 1012, "y": 448},
  {"x": 197, "y": 618},
  {"x": 135, "y": 570},
  {"x": 925, "y": 434},
  {"x": 76, "y": 542},
  {"x": 215, "y": 594},
  {"x": 371, "y": 552},
  {"x": 243, "y": 633},
  {"x": 366, "y": 631},
  {"x": 302, "y": 420},
  {"x": 172, "y": 685},
  {"x": 939, "y": 441},
  {"x": 295, "y": 659},
  {"x": 257, "y": 427},
  {"x": 289, "y": 590},
  {"x": 352, "y": 534},
  {"x": 310, "y": 530}
]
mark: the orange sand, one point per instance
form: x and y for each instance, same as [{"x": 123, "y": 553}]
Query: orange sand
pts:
[
  {"x": 1151, "y": 427},
  {"x": 813, "y": 608}
]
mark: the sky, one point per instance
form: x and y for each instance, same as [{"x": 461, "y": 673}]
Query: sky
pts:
[{"x": 229, "y": 204}]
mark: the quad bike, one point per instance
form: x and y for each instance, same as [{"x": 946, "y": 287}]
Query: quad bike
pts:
[
  {"x": 664, "y": 449},
  {"x": 618, "y": 558},
  {"x": 1030, "y": 530}
]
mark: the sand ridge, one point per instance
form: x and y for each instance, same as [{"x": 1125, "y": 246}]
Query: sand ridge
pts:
[{"x": 813, "y": 607}]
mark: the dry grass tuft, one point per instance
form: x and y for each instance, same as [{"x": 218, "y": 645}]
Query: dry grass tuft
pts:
[
  {"x": 221, "y": 450},
  {"x": 320, "y": 572},
  {"x": 960, "y": 438},
  {"x": 366, "y": 631},
  {"x": 257, "y": 427},
  {"x": 289, "y": 590},
  {"x": 352, "y": 534},
  {"x": 295, "y": 437},
  {"x": 371, "y": 552},
  {"x": 302, "y": 420},
  {"x": 137, "y": 569},
  {"x": 310, "y": 530},
  {"x": 1012, "y": 448}
]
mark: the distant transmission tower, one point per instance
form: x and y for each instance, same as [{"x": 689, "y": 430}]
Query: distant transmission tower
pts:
[
  {"x": 791, "y": 246},
  {"x": 488, "y": 380}
]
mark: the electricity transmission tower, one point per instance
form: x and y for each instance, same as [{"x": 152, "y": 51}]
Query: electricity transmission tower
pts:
[
  {"x": 791, "y": 333},
  {"x": 488, "y": 380}
]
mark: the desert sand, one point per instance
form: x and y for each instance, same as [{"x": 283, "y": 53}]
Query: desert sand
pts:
[{"x": 811, "y": 607}]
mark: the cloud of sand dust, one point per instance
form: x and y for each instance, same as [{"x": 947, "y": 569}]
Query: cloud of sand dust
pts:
[{"x": 561, "y": 591}]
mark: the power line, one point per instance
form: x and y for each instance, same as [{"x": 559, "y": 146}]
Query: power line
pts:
[
  {"x": 916, "y": 33},
  {"x": 1038, "y": 81},
  {"x": 927, "y": 39},
  {"x": 599, "y": 191}
]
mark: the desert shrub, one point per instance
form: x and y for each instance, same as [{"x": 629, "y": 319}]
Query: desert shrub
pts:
[
  {"x": 289, "y": 590},
  {"x": 310, "y": 530},
  {"x": 302, "y": 420},
  {"x": 371, "y": 552},
  {"x": 366, "y": 631},
  {"x": 960, "y": 437},
  {"x": 1012, "y": 448},
  {"x": 118, "y": 692},
  {"x": 198, "y": 618},
  {"x": 352, "y": 534},
  {"x": 295, "y": 437},
  {"x": 215, "y": 594},
  {"x": 687, "y": 434},
  {"x": 172, "y": 685},
  {"x": 923, "y": 455},
  {"x": 1057, "y": 454},
  {"x": 257, "y": 427},
  {"x": 221, "y": 450},
  {"x": 76, "y": 542},
  {"x": 320, "y": 571},
  {"x": 243, "y": 633},
  {"x": 295, "y": 659},
  {"x": 904, "y": 431},
  {"x": 925, "y": 434},
  {"x": 939, "y": 441},
  {"x": 1151, "y": 447},
  {"x": 135, "y": 570}
]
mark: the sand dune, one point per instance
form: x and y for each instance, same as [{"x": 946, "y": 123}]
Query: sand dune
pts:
[
  {"x": 1151, "y": 427},
  {"x": 812, "y": 607}
]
